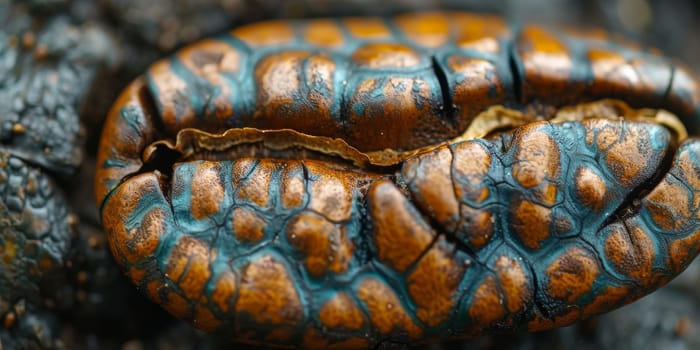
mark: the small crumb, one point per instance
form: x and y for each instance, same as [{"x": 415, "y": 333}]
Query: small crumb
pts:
[
  {"x": 18, "y": 128},
  {"x": 682, "y": 328},
  {"x": 73, "y": 219},
  {"x": 28, "y": 40},
  {"x": 93, "y": 242},
  {"x": 31, "y": 186},
  {"x": 10, "y": 319},
  {"x": 82, "y": 277},
  {"x": 41, "y": 52}
]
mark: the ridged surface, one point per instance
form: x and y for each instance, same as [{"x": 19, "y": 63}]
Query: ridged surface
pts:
[
  {"x": 45, "y": 72},
  {"x": 46, "y": 69},
  {"x": 36, "y": 232},
  {"x": 531, "y": 228}
]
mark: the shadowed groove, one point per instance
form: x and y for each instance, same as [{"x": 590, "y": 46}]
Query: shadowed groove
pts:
[
  {"x": 440, "y": 230},
  {"x": 448, "y": 107},
  {"x": 631, "y": 204},
  {"x": 515, "y": 65}
]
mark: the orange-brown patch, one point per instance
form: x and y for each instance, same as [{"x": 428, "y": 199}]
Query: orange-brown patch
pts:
[
  {"x": 515, "y": 283},
  {"x": 224, "y": 291},
  {"x": 432, "y": 185},
  {"x": 478, "y": 31},
  {"x": 682, "y": 251},
  {"x": 121, "y": 142},
  {"x": 46, "y": 264},
  {"x": 632, "y": 253},
  {"x": 689, "y": 172},
  {"x": 207, "y": 190},
  {"x": 471, "y": 165},
  {"x": 209, "y": 59},
  {"x": 188, "y": 265},
  {"x": 256, "y": 187},
  {"x": 539, "y": 323},
  {"x": 531, "y": 222},
  {"x": 401, "y": 124},
  {"x": 615, "y": 75},
  {"x": 9, "y": 319},
  {"x": 267, "y": 293},
  {"x": 590, "y": 188},
  {"x": 367, "y": 28},
  {"x": 292, "y": 186},
  {"x": 176, "y": 305},
  {"x": 135, "y": 244},
  {"x": 324, "y": 33},
  {"x": 547, "y": 65},
  {"x": 610, "y": 298},
  {"x": 153, "y": 290},
  {"x": 478, "y": 87},
  {"x": 536, "y": 159},
  {"x": 295, "y": 90},
  {"x": 340, "y": 312},
  {"x": 136, "y": 275},
  {"x": 321, "y": 241},
  {"x": 278, "y": 77},
  {"x": 330, "y": 193},
  {"x": 604, "y": 133},
  {"x": 487, "y": 303},
  {"x": 571, "y": 275},
  {"x": 429, "y": 29},
  {"x": 319, "y": 73},
  {"x": 247, "y": 225},
  {"x": 477, "y": 226},
  {"x": 204, "y": 319},
  {"x": 209, "y": 56},
  {"x": 543, "y": 41},
  {"x": 146, "y": 238},
  {"x": 386, "y": 55},
  {"x": 174, "y": 109},
  {"x": 240, "y": 170},
  {"x": 433, "y": 283},
  {"x": 265, "y": 33},
  {"x": 179, "y": 257},
  {"x": 610, "y": 67},
  {"x": 669, "y": 205},
  {"x": 548, "y": 194},
  {"x": 625, "y": 158},
  {"x": 400, "y": 236},
  {"x": 385, "y": 309}
]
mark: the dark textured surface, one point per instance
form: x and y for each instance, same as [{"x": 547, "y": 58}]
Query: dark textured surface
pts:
[
  {"x": 46, "y": 70},
  {"x": 36, "y": 232},
  {"x": 34, "y": 329}
]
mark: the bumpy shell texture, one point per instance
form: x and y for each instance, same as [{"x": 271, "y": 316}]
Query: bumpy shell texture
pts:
[
  {"x": 46, "y": 69},
  {"x": 341, "y": 183}
]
